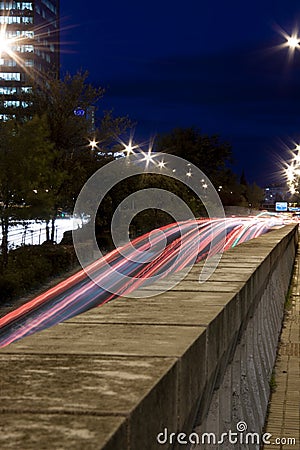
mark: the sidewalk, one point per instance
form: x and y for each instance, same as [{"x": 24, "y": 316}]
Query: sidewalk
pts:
[{"x": 283, "y": 420}]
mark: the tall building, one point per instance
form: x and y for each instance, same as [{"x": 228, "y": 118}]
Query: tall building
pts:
[{"x": 29, "y": 49}]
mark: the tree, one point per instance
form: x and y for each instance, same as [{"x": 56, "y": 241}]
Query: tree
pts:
[
  {"x": 65, "y": 103},
  {"x": 208, "y": 153},
  {"x": 25, "y": 155},
  {"x": 149, "y": 218},
  {"x": 243, "y": 180},
  {"x": 253, "y": 195}
]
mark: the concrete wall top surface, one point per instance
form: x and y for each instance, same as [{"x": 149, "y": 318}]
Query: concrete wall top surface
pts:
[{"x": 115, "y": 376}]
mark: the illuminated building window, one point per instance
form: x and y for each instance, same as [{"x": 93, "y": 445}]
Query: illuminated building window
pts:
[
  {"x": 7, "y": 90},
  {"x": 24, "y": 5},
  {"x": 33, "y": 50},
  {"x": 23, "y": 48},
  {"x": 11, "y": 103},
  {"x": 13, "y": 34},
  {"x": 9, "y": 76},
  {"x": 5, "y": 117},
  {"x": 5, "y": 5},
  {"x": 9, "y": 19},
  {"x": 15, "y": 104},
  {"x": 27, "y": 19},
  {"x": 7, "y": 62}
]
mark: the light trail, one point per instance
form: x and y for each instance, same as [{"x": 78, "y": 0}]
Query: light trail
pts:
[{"x": 186, "y": 243}]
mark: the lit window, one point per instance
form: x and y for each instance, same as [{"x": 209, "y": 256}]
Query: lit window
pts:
[
  {"x": 7, "y": 62},
  {"x": 7, "y": 90},
  {"x": 5, "y": 117},
  {"x": 24, "y": 5},
  {"x": 9, "y": 19},
  {"x": 26, "y": 89},
  {"x": 27, "y": 19},
  {"x": 11, "y": 103},
  {"x": 10, "y": 76},
  {"x": 15, "y": 104},
  {"x": 6, "y": 5}
]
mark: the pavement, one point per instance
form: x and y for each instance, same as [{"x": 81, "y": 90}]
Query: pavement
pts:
[{"x": 283, "y": 420}]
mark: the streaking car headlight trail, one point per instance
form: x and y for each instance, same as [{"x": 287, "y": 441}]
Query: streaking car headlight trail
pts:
[{"x": 185, "y": 243}]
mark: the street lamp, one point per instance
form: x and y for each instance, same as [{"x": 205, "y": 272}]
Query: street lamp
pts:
[
  {"x": 4, "y": 44},
  {"x": 161, "y": 164},
  {"x": 293, "y": 42},
  {"x": 93, "y": 144},
  {"x": 148, "y": 157},
  {"x": 7, "y": 45}
]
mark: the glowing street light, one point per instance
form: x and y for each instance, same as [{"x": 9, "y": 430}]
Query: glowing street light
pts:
[
  {"x": 6, "y": 46},
  {"x": 148, "y": 157},
  {"x": 161, "y": 164},
  {"x": 93, "y": 144},
  {"x": 4, "y": 43},
  {"x": 293, "y": 42},
  {"x": 129, "y": 148},
  {"x": 292, "y": 172}
]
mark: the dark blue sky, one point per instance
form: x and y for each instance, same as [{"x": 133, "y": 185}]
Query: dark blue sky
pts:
[{"x": 208, "y": 64}]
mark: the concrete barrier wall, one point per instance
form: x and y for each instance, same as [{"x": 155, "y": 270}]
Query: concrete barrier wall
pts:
[
  {"x": 242, "y": 387},
  {"x": 195, "y": 359},
  {"x": 240, "y": 211}
]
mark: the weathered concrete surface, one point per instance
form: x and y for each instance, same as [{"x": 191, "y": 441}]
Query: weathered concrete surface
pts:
[
  {"x": 27, "y": 431},
  {"x": 116, "y": 376},
  {"x": 283, "y": 421}
]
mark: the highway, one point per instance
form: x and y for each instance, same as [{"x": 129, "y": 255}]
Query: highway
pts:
[{"x": 151, "y": 256}]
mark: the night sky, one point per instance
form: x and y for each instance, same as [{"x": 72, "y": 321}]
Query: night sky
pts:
[{"x": 216, "y": 65}]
